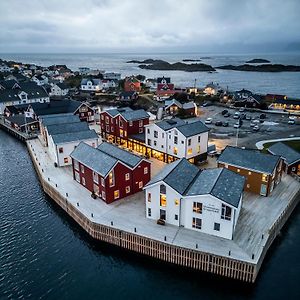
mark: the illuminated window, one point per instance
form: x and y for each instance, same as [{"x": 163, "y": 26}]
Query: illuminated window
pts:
[
  {"x": 264, "y": 177},
  {"x": 66, "y": 160},
  {"x": 149, "y": 197},
  {"x": 163, "y": 200},
  {"x": 197, "y": 207},
  {"x": 248, "y": 186},
  {"x": 121, "y": 132},
  {"x": 190, "y": 151},
  {"x": 197, "y": 223},
  {"x": 176, "y": 202},
  {"x": 249, "y": 173},
  {"x": 238, "y": 170},
  {"x": 198, "y": 149},
  {"x": 102, "y": 117},
  {"x": 226, "y": 212},
  {"x": 116, "y": 194},
  {"x": 111, "y": 179},
  {"x": 140, "y": 184},
  {"x": 127, "y": 189},
  {"x": 175, "y": 150},
  {"x": 127, "y": 176}
]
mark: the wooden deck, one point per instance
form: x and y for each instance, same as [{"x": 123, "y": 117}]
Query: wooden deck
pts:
[{"x": 123, "y": 223}]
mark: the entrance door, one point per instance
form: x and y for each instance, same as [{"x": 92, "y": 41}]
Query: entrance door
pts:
[
  {"x": 162, "y": 214},
  {"x": 263, "y": 190}
]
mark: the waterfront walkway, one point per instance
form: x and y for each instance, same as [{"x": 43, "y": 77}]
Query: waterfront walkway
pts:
[{"x": 257, "y": 216}]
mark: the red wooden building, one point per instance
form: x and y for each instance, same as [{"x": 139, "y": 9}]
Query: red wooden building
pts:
[
  {"x": 109, "y": 172},
  {"x": 164, "y": 87},
  {"x": 119, "y": 124},
  {"x": 132, "y": 84}
]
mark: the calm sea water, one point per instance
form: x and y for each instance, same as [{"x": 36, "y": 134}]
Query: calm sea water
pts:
[
  {"x": 279, "y": 83},
  {"x": 45, "y": 255}
]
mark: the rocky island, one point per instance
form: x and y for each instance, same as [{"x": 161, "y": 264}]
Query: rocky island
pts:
[
  {"x": 152, "y": 64},
  {"x": 258, "y": 61},
  {"x": 191, "y": 60},
  {"x": 262, "y": 68}
]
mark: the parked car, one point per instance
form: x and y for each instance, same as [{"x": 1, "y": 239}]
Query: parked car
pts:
[
  {"x": 252, "y": 124},
  {"x": 224, "y": 112},
  {"x": 236, "y": 115},
  {"x": 227, "y": 115},
  {"x": 219, "y": 123},
  {"x": 242, "y": 109},
  {"x": 248, "y": 117},
  {"x": 212, "y": 153},
  {"x": 237, "y": 125},
  {"x": 291, "y": 122},
  {"x": 208, "y": 121},
  {"x": 243, "y": 116},
  {"x": 225, "y": 124},
  {"x": 256, "y": 128},
  {"x": 262, "y": 116}
]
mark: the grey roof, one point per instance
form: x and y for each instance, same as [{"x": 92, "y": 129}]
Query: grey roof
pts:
[
  {"x": 115, "y": 111},
  {"x": 189, "y": 105},
  {"x": 171, "y": 102},
  {"x": 67, "y": 127},
  {"x": 221, "y": 183},
  {"x": 289, "y": 154},
  {"x": 62, "y": 85},
  {"x": 169, "y": 124},
  {"x": 249, "y": 159},
  {"x": 59, "y": 119},
  {"x": 128, "y": 114},
  {"x": 91, "y": 157},
  {"x": 74, "y": 136},
  {"x": 20, "y": 120},
  {"x": 194, "y": 128},
  {"x": 124, "y": 156},
  {"x": 94, "y": 81},
  {"x": 177, "y": 175}
]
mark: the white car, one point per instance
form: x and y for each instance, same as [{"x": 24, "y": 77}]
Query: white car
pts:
[
  {"x": 208, "y": 121},
  {"x": 237, "y": 125},
  {"x": 236, "y": 115},
  {"x": 291, "y": 122},
  {"x": 255, "y": 128}
]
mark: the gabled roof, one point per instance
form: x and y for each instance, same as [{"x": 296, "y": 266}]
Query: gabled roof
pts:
[
  {"x": 249, "y": 159},
  {"x": 48, "y": 120},
  {"x": 124, "y": 156},
  {"x": 67, "y": 127},
  {"x": 169, "y": 103},
  {"x": 74, "y": 136},
  {"x": 96, "y": 160},
  {"x": 8, "y": 84},
  {"x": 169, "y": 124},
  {"x": 128, "y": 114},
  {"x": 160, "y": 79},
  {"x": 287, "y": 153},
  {"x": 192, "y": 129},
  {"x": 178, "y": 175},
  {"x": 62, "y": 85},
  {"x": 221, "y": 183},
  {"x": 189, "y": 105},
  {"x": 115, "y": 111},
  {"x": 20, "y": 120}
]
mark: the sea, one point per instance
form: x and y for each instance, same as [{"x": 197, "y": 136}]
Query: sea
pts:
[
  {"x": 286, "y": 83},
  {"x": 44, "y": 254}
]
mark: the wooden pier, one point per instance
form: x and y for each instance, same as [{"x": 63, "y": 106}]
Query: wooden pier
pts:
[{"x": 237, "y": 263}]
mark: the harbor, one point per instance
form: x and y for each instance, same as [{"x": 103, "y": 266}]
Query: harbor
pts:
[{"x": 124, "y": 224}]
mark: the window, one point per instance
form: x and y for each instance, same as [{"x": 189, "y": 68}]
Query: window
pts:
[
  {"x": 141, "y": 123},
  {"x": 190, "y": 151},
  {"x": 111, "y": 179},
  {"x": 155, "y": 134},
  {"x": 149, "y": 197},
  {"x": 95, "y": 177},
  {"x": 61, "y": 150},
  {"x": 107, "y": 120},
  {"x": 140, "y": 184},
  {"x": 175, "y": 150},
  {"x": 102, "y": 182},
  {"x": 76, "y": 165},
  {"x": 66, "y": 160},
  {"x": 155, "y": 143},
  {"x": 83, "y": 180},
  {"x": 127, "y": 176},
  {"x": 217, "y": 226},
  {"x": 189, "y": 142},
  {"x": 176, "y": 202},
  {"x": 82, "y": 168},
  {"x": 102, "y": 117},
  {"x": 141, "y": 130},
  {"x": 226, "y": 212},
  {"x": 197, "y": 223},
  {"x": 127, "y": 189},
  {"x": 130, "y": 123},
  {"x": 145, "y": 170},
  {"x": 111, "y": 129},
  {"x": 264, "y": 177},
  {"x": 163, "y": 135},
  {"x": 198, "y": 149},
  {"x": 176, "y": 217},
  {"x": 197, "y": 207},
  {"x": 120, "y": 123},
  {"x": 199, "y": 139},
  {"x": 238, "y": 170},
  {"x": 163, "y": 200},
  {"x": 107, "y": 128},
  {"x": 175, "y": 140},
  {"x": 103, "y": 195},
  {"x": 77, "y": 177},
  {"x": 148, "y": 130},
  {"x": 149, "y": 142},
  {"x": 182, "y": 142},
  {"x": 249, "y": 173},
  {"x": 121, "y": 132},
  {"x": 116, "y": 194},
  {"x": 149, "y": 212},
  {"x": 96, "y": 189}
]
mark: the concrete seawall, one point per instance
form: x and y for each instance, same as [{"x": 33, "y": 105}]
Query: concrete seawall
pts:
[{"x": 191, "y": 258}]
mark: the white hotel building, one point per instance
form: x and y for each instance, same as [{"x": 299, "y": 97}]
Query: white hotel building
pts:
[
  {"x": 174, "y": 138},
  {"x": 207, "y": 201}
]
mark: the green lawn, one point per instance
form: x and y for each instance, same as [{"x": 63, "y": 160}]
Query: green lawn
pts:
[{"x": 293, "y": 144}]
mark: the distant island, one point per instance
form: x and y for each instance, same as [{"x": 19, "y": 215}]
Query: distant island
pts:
[
  {"x": 258, "y": 61},
  {"x": 191, "y": 60},
  {"x": 262, "y": 68},
  {"x": 157, "y": 64},
  {"x": 205, "y": 57}
]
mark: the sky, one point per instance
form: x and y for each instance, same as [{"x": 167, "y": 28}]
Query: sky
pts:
[{"x": 148, "y": 25}]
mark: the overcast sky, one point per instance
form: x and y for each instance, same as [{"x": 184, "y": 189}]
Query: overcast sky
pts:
[{"x": 147, "y": 25}]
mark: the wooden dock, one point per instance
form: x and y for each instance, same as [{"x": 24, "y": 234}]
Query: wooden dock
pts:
[{"x": 124, "y": 224}]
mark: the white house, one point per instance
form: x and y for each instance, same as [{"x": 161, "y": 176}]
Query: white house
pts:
[
  {"x": 4, "y": 68},
  {"x": 40, "y": 79},
  {"x": 91, "y": 85},
  {"x": 207, "y": 201},
  {"x": 59, "y": 89},
  {"x": 172, "y": 139},
  {"x": 212, "y": 89},
  {"x": 108, "y": 84},
  {"x": 62, "y": 138}
]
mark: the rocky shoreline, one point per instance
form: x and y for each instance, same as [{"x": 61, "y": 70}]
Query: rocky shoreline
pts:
[{"x": 262, "y": 68}]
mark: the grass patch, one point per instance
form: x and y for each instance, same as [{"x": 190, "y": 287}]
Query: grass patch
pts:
[{"x": 293, "y": 144}]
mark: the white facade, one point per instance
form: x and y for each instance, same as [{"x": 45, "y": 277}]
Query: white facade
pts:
[
  {"x": 174, "y": 143},
  {"x": 60, "y": 153},
  {"x": 92, "y": 86},
  {"x": 41, "y": 80},
  {"x": 57, "y": 91},
  {"x": 4, "y": 68},
  {"x": 107, "y": 84},
  {"x": 203, "y": 213}
]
